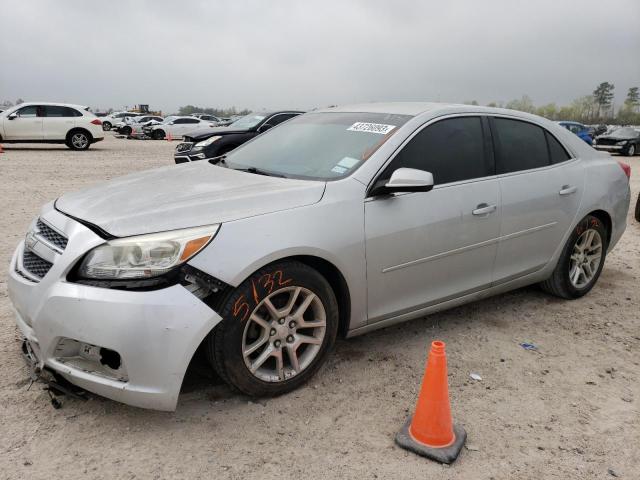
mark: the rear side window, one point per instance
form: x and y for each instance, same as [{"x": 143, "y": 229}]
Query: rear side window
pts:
[
  {"x": 556, "y": 151},
  {"x": 521, "y": 146},
  {"x": 452, "y": 150},
  {"x": 60, "y": 111}
]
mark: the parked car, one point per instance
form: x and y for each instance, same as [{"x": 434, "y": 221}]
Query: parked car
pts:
[
  {"x": 110, "y": 120},
  {"x": 43, "y": 122},
  {"x": 579, "y": 129},
  {"x": 339, "y": 221},
  {"x": 637, "y": 212},
  {"x": 624, "y": 140},
  {"x": 137, "y": 123},
  {"x": 207, "y": 117},
  {"x": 209, "y": 143},
  {"x": 595, "y": 130},
  {"x": 177, "y": 127}
]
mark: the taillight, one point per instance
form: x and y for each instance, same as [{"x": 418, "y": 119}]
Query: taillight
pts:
[
  {"x": 96, "y": 121},
  {"x": 626, "y": 168}
]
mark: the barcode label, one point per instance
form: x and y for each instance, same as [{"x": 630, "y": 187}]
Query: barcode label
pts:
[{"x": 380, "y": 128}]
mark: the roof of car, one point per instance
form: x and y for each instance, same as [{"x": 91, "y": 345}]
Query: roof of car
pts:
[{"x": 73, "y": 105}]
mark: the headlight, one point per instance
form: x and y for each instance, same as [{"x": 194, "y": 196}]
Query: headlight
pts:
[
  {"x": 208, "y": 141},
  {"x": 622, "y": 142},
  {"x": 145, "y": 256}
]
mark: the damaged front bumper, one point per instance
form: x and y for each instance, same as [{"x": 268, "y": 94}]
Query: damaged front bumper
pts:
[{"x": 130, "y": 346}]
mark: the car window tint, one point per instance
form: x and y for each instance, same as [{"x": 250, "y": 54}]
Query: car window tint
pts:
[
  {"x": 60, "y": 111},
  {"x": 452, "y": 150},
  {"x": 30, "y": 111},
  {"x": 278, "y": 119},
  {"x": 556, "y": 150},
  {"x": 521, "y": 146},
  {"x": 191, "y": 120}
]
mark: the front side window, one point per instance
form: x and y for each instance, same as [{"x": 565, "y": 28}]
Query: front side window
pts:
[
  {"x": 318, "y": 146},
  {"x": 520, "y": 146},
  {"x": 452, "y": 150},
  {"x": 30, "y": 111}
]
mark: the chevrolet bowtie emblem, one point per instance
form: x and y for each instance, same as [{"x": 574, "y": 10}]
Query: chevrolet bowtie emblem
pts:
[{"x": 30, "y": 240}]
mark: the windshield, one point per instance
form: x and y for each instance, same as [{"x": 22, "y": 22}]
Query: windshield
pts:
[
  {"x": 169, "y": 119},
  {"x": 625, "y": 132},
  {"x": 318, "y": 146},
  {"x": 247, "y": 121}
]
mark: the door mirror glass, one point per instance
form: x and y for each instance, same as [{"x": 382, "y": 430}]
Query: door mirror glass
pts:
[{"x": 405, "y": 180}]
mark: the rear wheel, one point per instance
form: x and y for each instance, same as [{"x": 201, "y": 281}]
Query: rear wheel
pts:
[
  {"x": 78, "y": 140},
  {"x": 277, "y": 329},
  {"x": 638, "y": 208},
  {"x": 106, "y": 126},
  {"x": 126, "y": 131},
  {"x": 581, "y": 260}
]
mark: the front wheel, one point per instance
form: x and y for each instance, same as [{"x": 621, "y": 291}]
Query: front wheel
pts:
[
  {"x": 631, "y": 151},
  {"x": 158, "y": 134},
  {"x": 581, "y": 261},
  {"x": 278, "y": 327}
]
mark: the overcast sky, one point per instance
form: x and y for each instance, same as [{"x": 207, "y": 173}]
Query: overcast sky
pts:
[{"x": 302, "y": 54}]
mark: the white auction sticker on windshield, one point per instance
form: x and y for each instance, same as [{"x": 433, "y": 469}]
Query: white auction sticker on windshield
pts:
[{"x": 380, "y": 128}]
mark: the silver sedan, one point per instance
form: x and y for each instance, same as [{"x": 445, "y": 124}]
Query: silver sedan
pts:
[{"x": 338, "y": 222}]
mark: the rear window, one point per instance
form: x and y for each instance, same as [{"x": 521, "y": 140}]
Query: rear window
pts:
[
  {"x": 521, "y": 146},
  {"x": 556, "y": 151}
]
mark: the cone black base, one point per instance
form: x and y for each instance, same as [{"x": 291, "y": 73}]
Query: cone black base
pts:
[{"x": 443, "y": 455}]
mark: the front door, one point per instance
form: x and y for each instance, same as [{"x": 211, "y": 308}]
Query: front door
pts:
[
  {"x": 428, "y": 247},
  {"x": 26, "y": 125}
]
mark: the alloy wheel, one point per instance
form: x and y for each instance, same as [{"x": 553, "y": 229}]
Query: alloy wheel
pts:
[
  {"x": 585, "y": 258},
  {"x": 284, "y": 334},
  {"x": 79, "y": 140}
]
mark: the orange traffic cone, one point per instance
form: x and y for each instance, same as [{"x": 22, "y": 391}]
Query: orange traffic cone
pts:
[
  {"x": 431, "y": 432},
  {"x": 169, "y": 137}
]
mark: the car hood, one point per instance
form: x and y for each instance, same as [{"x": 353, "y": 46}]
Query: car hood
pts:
[
  {"x": 204, "y": 133},
  {"x": 183, "y": 196},
  {"x": 616, "y": 137}
]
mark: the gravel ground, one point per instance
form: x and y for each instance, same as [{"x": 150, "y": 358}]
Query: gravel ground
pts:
[{"x": 568, "y": 410}]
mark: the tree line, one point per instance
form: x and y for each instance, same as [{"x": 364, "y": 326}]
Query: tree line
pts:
[
  {"x": 590, "y": 109},
  {"x": 218, "y": 112}
]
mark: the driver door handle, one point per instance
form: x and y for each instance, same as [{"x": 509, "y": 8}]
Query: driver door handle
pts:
[
  {"x": 484, "y": 209},
  {"x": 567, "y": 190}
]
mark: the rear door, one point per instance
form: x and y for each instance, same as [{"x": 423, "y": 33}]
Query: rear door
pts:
[
  {"x": 57, "y": 121},
  {"x": 26, "y": 125},
  {"x": 423, "y": 248},
  {"x": 541, "y": 187}
]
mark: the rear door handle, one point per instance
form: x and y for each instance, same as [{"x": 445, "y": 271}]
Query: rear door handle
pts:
[
  {"x": 484, "y": 209},
  {"x": 567, "y": 190}
]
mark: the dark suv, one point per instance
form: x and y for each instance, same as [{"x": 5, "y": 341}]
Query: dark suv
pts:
[{"x": 214, "y": 142}]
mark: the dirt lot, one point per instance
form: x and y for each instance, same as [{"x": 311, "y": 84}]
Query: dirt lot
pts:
[{"x": 569, "y": 410}]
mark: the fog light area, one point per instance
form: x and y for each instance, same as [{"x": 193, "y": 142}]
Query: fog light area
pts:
[{"x": 91, "y": 359}]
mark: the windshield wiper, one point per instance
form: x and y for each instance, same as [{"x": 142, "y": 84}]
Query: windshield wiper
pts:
[
  {"x": 258, "y": 171},
  {"x": 218, "y": 160}
]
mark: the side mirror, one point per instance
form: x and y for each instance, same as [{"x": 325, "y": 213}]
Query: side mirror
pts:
[
  {"x": 13, "y": 116},
  {"x": 404, "y": 180},
  {"x": 171, "y": 123},
  {"x": 265, "y": 127}
]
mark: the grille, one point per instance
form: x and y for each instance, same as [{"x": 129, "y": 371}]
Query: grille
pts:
[
  {"x": 184, "y": 147},
  {"x": 606, "y": 141},
  {"x": 35, "y": 265},
  {"x": 50, "y": 235}
]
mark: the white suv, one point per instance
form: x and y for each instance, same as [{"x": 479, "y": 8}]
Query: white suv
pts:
[{"x": 41, "y": 122}]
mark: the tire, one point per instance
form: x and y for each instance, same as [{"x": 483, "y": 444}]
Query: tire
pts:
[
  {"x": 126, "y": 131},
  {"x": 106, "y": 126},
  {"x": 560, "y": 283},
  {"x": 631, "y": 151},
  {"x": 158, "y": 134},
  {"x": 78, "y": 140},
  {"x": 637, "y": 212},
  {"x": 287, "y": 285}
]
